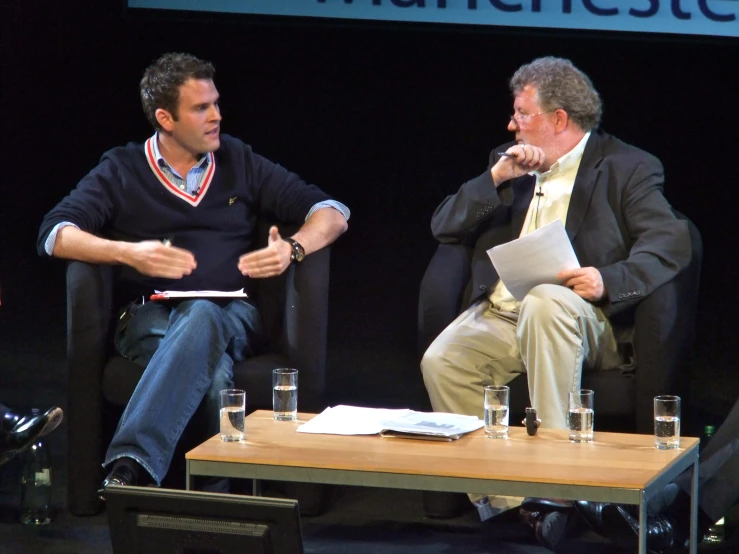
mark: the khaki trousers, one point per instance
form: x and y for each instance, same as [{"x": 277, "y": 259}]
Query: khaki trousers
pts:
[{"x": 555, "y": 335}]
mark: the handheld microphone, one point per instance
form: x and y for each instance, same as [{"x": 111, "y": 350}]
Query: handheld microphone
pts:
[{"x": 531, "y": 421}]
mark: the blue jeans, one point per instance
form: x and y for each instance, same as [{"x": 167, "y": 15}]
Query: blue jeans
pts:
[{"x": 188, "y": 352}]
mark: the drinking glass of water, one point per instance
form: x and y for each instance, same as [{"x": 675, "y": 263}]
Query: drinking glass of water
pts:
[
  {"x": 496, "y": 411},
  {"x": 233, "y": 408},
  {"x": 667, "y": 422},
  {"x": 285, "y": 394},
  {"x": 580, "y": 415}
]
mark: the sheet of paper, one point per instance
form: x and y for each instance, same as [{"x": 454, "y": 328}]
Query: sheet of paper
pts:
[
  {"x": 353, "y": 420},
  {"x": 534, "y": 259},
  {"x": 161, "y": 294},
  {"x": 435, "y": 424},
  {"x": 350, "y": 420}
]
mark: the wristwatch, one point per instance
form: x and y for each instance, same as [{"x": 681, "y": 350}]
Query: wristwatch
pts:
[{"x": 298, "y": 252}]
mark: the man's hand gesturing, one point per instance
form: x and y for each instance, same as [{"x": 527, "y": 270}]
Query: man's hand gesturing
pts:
[
  {"x": 269, "y": 261},
  {"x": 155, "y": 259}
]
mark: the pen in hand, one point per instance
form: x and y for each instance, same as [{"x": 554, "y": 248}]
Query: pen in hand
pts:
[{"x": 506, "y": 154}]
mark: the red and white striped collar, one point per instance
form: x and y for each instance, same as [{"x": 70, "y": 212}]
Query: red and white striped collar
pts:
[{"x": 151, "y": 150}]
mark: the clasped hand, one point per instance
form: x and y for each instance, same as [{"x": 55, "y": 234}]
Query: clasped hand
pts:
[
  {"x": 586, "y": 282},
  {"x": 519, "y": 160}
]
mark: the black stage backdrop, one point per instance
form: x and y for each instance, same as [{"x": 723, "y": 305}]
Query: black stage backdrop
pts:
[{"x": 388, "y": 118}]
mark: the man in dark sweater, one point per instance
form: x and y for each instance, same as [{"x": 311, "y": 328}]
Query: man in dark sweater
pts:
[{"x": 179, "y": 213}]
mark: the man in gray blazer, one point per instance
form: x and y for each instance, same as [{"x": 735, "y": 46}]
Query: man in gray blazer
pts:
[{"x": 627, "y": 239}]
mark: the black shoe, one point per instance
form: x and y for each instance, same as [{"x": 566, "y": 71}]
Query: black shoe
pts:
[
  {"x": 18, "y": 432},
  {"x": 548, "y": 519},
  {"x": 13, "y": 421},
  {"x": 122, "y": 474},
  {"x": 53, "y": 417},
  {"x": 621, "y": 526},
  {"x": 591, "y": 513},
  {"x": 549, "y": 528}
]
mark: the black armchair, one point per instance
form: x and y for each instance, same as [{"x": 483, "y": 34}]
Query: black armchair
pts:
[
  {"x": 664, "y": 332},
  {"x": 294, "y": 310},
  {"x": 663, "y": 342}
]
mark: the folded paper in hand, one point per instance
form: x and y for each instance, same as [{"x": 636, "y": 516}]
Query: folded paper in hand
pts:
[
  {"x": 534, "y": 259},
  {"x": 166, "y": 294},
  {"x": 352, "y": 420}
]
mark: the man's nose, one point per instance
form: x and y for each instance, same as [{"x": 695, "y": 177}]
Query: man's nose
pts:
[{"x": 512, "y": 125}]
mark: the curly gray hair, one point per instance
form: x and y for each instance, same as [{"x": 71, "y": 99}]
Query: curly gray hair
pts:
[{"x": 561, "y": 85}]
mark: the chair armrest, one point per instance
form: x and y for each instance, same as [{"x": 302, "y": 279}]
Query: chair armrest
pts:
[
  {"x": 306, "y": 324},
  {"x": 89, "y": 320},
  {"x": 442, "y": 291},
  {"x": 664, "y": 335},
  {"x": 294, "y": 310}
]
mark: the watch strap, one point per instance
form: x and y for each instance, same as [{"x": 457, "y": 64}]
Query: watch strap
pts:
[{"x": 298, "y": 252}]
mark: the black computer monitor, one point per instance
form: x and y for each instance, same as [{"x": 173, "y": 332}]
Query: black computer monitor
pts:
[{"x": 146, "y": 520}]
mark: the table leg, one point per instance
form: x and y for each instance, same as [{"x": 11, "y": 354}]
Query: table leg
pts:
[
  {"x": 694, "y": 509},
  {"x": 188, "y": 477},
  {"x": 256, "y": 487},
  {"x": 643, "y": 524}
]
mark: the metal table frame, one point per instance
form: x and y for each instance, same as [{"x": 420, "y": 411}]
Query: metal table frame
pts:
[{"x": 639, "y": 497}]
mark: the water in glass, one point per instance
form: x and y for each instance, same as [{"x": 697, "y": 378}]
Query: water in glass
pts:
[
  {"x": 666, "y": 432},
  {"x": 232, "y": 423},
  {"x": 580, "y": 423},
  {"x": 496, "y": 421},
  {"x": 285, "y": 402}
]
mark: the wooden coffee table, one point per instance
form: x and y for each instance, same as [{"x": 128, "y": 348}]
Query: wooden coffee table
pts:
[{"x": 616, "y": 467}]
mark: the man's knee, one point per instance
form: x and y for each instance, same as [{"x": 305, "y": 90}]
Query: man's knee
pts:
[
  {"x": 429, "y": 361},
  {"x": 221, "y": 380},
  {"x": 433, "y": 363},
  {"x": 200, "y": 306},
  {"x": 199, "y": 310},
  {"x": 546, "y": 303}
]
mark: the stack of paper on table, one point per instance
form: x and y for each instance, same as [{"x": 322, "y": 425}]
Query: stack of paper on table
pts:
[
  {"x": 167, "y": 294},
  {"x": 352, "y": 420}
]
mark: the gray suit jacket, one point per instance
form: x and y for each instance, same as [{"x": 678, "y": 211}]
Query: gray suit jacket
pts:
[{"x": 618, "y": 222}]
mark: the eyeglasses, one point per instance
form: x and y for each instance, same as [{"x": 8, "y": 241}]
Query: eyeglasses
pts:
[{"x": 518, "y": 118}]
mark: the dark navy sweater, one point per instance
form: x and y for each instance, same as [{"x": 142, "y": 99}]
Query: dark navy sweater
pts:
[{"x": 122, "y": 199}]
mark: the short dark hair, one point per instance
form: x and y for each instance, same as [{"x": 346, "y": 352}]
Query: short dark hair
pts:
[
  {"x": 561, "y": 85},
  {"x": 160, "y": 85}
]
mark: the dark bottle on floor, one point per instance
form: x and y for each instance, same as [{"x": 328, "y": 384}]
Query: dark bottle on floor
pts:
[
  {"x": 36, "y": 484},
  {"x": 715, "y": 533}
]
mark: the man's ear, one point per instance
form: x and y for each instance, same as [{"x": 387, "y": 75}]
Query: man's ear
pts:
[
  {"x": 562, "y": 119},
  {"x": 165, "y": 119}
]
